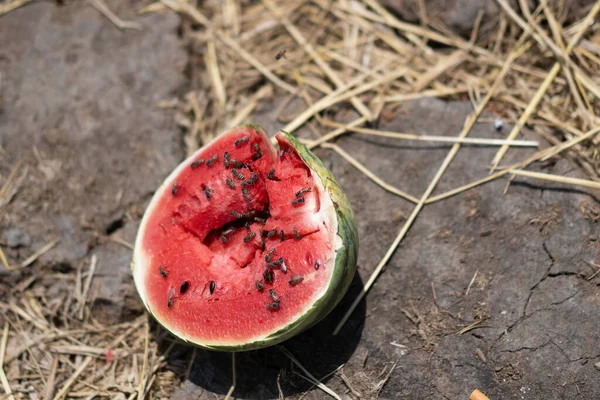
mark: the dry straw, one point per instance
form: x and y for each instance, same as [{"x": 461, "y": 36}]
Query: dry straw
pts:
[{"x": 352, "y": 57}]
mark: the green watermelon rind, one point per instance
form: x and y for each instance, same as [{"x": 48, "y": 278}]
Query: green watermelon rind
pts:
[{"x": 344, "y": 265}]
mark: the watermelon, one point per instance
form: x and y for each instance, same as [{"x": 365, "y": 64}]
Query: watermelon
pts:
[{"x": 245, "y": 245}]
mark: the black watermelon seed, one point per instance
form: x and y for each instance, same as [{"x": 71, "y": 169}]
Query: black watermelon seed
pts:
[
  {"x": 296, "y": 279},
  {"x": 259, "y": 286},
  {"x": 184, "y": 287},
  {"x": 212, "y": 287},
  {"x": 317, "y": 264},
  {"x": 163, "y": 271}
]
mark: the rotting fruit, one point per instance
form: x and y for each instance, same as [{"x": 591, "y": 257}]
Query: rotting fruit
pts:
[{"x": 245, "y": 245}]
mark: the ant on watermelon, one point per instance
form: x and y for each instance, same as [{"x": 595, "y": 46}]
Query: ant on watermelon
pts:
[{"x": 163, "y": 271}]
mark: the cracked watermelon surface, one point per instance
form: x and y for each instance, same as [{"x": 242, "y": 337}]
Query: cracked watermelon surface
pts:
[{"x": 245, "y": 245}]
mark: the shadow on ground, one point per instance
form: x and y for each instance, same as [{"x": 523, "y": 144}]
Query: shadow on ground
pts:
[{"x": 258, "y": 371}]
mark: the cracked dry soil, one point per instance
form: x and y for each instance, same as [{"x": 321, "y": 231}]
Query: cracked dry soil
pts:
[{"x": 83, "y": 95}]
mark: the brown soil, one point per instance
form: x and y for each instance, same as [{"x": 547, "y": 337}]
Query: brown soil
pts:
[{"x": 494, "y": 288}]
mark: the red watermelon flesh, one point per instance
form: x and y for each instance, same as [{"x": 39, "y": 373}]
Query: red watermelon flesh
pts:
[{"x": 228, "y": 217}]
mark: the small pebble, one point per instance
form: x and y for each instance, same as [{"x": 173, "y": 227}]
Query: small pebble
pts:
[{"x": 498, "y": 124}]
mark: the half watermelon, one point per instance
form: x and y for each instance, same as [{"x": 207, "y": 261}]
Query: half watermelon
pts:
[{"x": 244, "y": 245}]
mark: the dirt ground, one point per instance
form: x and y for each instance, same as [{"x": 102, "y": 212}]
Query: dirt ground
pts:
[{"x": 509, "y": 260}]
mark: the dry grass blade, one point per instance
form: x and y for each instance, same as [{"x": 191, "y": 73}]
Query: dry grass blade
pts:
[
  {"x": 11, "y": 185},
  {"x": 470, "y": 327},
  {"x": 67, "y": 385},
  {"x": 88, "y": 284},
  {"x": 151, "y": 8},
  {"x": 291, "y": 28},
  {"x": 595, "y": 273},
  {"x": 213, "y": 68},
  {"x": 570, "y": 143},
  {"x": 471, "y": 283},
  {"x": 337, "y": 132},
  {"x": 29, "y": 260},
  {"x": 533, "y": 104},
  {"x": 540, "y": 155},
  {"x": 3, "y": 378},
  {"x": 369, "y": 174},
  {"x": 121, "y": 241},
  {"x": 233, "y": 377},
  {"x": 192, "y": 12},
  {"x": 522, "y": 24},
  {"x": 242, "y": 115},
  {"x": 256, "y": 64},
  {"x": 320, "y": 380},
  {"x": 49, "y": 393},
  {"x": 467, "y": 128},
  {"x": 425, "y": 93},
  {"x": 388, "y": 18},
  {"x": 308, "y": 374},
  {"x": 391, "y": 250},
  {"x": 557, "y": 178},
  {"x": 478, "y": 182},
  {"x": 341, "y": 94},
  {"x": 441, "y": 67},
  {"x": 379, "y": 386},
  {"x": 12, "y": 5},
  {"x": 103, "y": 9},
  {"x": 141, "y": 388},
  {"x": 441, "y": 139},
  {"x": 531, "y": 107},
  {"x": 349, "y": 384}
]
